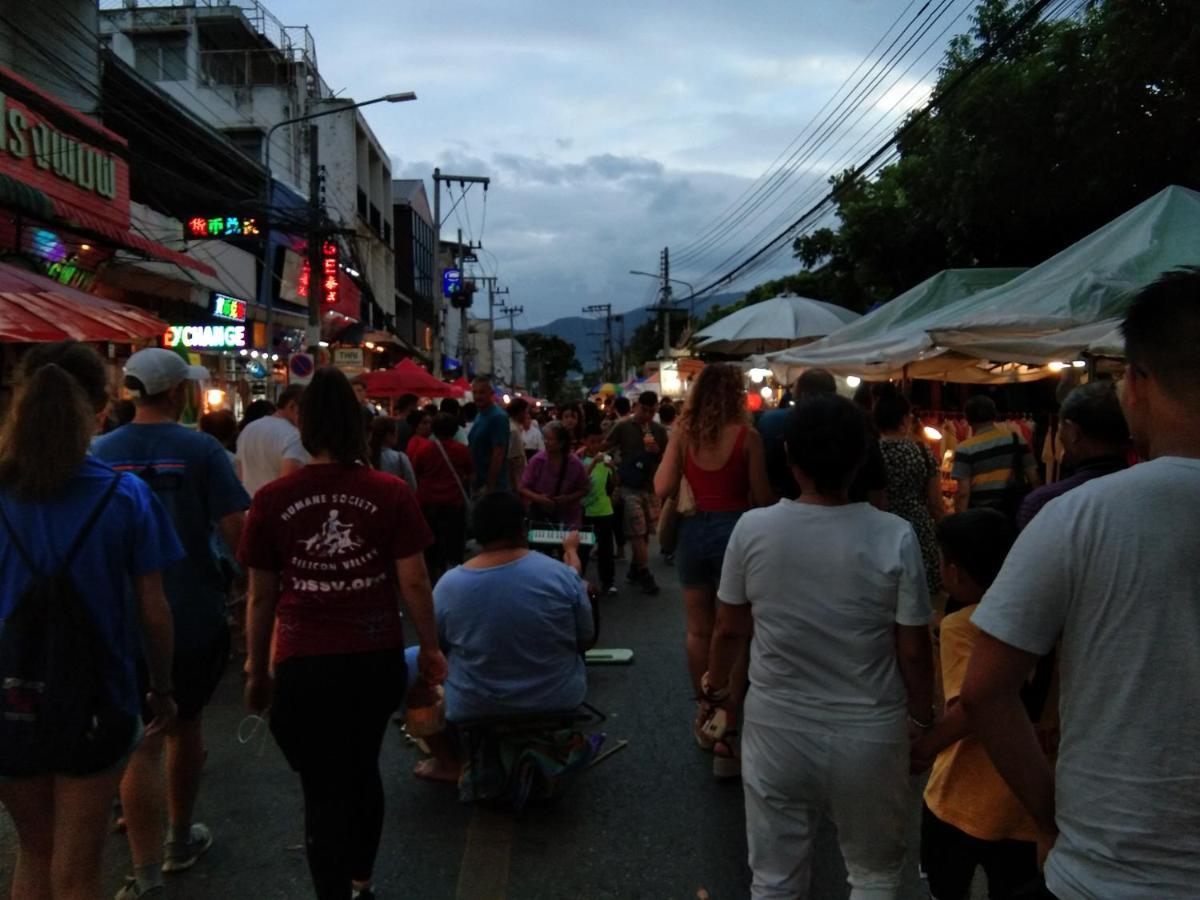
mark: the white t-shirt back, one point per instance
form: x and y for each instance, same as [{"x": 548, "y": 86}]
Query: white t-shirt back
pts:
[
  {"x": 827, "y": 586},
  {"x": 262, "y": 448},
  {"x": 1114, "y": 568}
]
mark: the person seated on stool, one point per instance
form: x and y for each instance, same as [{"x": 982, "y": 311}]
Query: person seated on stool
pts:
[{"x": 513, "y": 624}]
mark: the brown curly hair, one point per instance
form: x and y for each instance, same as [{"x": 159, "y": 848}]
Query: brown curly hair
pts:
[{"x": 716, "y": 399}]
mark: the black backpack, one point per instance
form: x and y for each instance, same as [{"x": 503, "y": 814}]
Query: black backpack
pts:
[{"x": 55, "y": 712}]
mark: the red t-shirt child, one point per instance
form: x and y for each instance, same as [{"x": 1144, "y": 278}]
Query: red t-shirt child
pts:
[{"x": 333, "y": 534}]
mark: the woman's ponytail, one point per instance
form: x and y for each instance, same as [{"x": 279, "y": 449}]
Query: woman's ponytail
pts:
[{"x": 51, "y": 420}]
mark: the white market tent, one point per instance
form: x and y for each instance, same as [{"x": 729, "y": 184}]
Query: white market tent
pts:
[
  {"x": 1067, "y": 306},
  {"x": 885, "y": 340},
  {"x": 773, "y": 324}
]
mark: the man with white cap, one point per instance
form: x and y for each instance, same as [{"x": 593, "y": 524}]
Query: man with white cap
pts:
[{"x": 191, "y": 474}]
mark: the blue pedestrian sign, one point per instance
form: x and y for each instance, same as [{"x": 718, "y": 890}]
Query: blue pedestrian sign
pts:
[{"x": 451, "y": 282}]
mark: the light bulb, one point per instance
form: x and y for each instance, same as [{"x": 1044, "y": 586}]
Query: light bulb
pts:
[
  {"x": 1057, "y": 366},
  {"x": 766, "y": 393},
  {"x": 1080, "y": 364},
  {"x": 932, "y": 433},
  {"x": 215, "y": 397},
  {"x": 853, "y": 381}
]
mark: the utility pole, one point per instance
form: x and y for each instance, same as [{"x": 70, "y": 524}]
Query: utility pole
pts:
[
  {"x": 620, "y": 320},
  {"x": 606, "y": 309},
  {"x": 665, "y": 265},
  {"x": 316, "y": 267},
  {"x": 493, "y": 292},
  {"x": 439, "y": 332},
  {"x": 512, "y": 312}
]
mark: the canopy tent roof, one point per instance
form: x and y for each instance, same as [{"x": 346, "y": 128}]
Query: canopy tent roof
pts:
[
  {"x": 34, "y": 308},
  {"x": 882, "y": 342},
  {"x": 773, "y": 324},
  {"x": 1066, "y": 306},
  {"x": 406, "y": 377}
]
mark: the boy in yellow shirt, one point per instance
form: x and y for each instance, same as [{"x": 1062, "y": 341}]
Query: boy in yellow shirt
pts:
[{"x": 970, "y": 818}]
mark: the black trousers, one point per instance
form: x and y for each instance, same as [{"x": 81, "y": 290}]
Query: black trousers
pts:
[
  {"x": 603, "y": 526},
  {"x": 449, "y": 527},
  {"x": 949, "y": 857},
  {"x": 328, "y": 717}
]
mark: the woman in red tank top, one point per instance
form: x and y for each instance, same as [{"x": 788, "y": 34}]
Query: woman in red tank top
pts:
[{"x": 721, "y": 455}]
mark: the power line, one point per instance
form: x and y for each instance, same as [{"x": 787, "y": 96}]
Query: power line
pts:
[{"x": 983, "y": 58}]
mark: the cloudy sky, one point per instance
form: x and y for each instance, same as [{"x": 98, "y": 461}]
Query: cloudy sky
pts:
[{"x": 613, "y": 129}]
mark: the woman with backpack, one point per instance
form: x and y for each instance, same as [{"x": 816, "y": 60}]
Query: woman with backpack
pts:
[{"x": 66, "y": 730}]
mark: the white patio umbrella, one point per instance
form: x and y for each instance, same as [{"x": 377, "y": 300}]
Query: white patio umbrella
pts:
[{"x": 783, "y": 321}]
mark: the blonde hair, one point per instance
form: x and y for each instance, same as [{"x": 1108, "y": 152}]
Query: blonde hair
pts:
[{"x": 716, "y": 399}]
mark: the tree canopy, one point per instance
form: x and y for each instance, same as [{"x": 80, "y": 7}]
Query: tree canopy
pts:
[
  {"x": 548, "y": 359},
  {"x": 1065, "y": 128}
]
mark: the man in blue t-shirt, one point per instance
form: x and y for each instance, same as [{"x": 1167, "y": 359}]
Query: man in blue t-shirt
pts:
[
  {"x": 488, "y": 439},
  {"x": 192, "y": 476}
]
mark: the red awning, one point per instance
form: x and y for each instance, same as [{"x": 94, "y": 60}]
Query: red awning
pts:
[
  {"x": 81, "y": 220},
  {"x": 36, "y": 309},
  {"x": 406, "y": 378}
]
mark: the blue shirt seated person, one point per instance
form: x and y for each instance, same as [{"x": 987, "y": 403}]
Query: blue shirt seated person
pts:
[{"x": 513, "y": 624}]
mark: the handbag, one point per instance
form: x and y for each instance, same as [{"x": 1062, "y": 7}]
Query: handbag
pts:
[{"x": 677, "y": 508}]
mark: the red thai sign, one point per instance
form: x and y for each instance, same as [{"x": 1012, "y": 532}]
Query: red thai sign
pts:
[
  {"x": 64, "y": 154},
  {"x": 338, "y": 293}
]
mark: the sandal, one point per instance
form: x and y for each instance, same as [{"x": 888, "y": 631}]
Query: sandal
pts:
[
  {"x": 727, "y": 762},
  {"x": 703, "y": 714}
]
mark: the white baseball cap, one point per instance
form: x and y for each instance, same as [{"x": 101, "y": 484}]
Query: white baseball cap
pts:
[{"x": 159, "y": 370}]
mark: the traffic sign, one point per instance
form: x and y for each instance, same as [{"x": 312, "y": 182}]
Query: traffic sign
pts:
[
  {"x": 451, "y": 282},
  {"x": 300, "y": 368}
]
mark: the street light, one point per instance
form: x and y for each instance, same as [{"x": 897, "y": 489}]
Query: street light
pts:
[
  {"x": 268, "y": 270},
  {"x": 691, "y": 297}
]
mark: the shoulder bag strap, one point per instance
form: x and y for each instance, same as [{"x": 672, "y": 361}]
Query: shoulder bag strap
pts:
[{"x": 453, "y": 471}]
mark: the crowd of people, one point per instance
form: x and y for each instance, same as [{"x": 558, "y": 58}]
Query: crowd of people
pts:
[{"x": 1034, "y": 648}]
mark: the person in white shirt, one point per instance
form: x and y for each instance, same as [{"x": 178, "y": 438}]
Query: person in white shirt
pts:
[
  {"x": 531, "y": 434},
  {"x": 1110, "y": 572},
  {"x": 269, "y": 448},
  {"x": 841, "y": 664}
]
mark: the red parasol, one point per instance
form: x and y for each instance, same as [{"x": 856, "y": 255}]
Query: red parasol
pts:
[{"x": 406, "y": 378}]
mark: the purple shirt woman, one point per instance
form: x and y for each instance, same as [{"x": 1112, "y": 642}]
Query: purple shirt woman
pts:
[{"x": 554, "y": 481}]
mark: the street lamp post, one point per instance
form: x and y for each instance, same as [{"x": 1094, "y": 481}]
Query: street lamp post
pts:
[
  {"x": 314, "y": 298},
  {"x": 691, "y": 297}
]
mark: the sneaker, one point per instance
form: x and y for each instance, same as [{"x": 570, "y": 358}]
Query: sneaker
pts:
[
  {"x": 611, "y": 590},
  {"x": 649, "y": 585},
  {"x": 131, "y": 891},
  {"x": 182, "y": 855}
]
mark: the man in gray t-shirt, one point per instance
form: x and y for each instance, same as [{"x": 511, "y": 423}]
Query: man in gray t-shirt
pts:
[{"x": 1111, "y": 572}]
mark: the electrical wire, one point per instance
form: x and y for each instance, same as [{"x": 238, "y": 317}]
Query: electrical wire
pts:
[{"x": 1031, "y": 15}]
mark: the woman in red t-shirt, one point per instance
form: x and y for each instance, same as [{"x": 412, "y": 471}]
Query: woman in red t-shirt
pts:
[
  {"x": 444, "y": 469},
  {"x": 331, "y": 549}
]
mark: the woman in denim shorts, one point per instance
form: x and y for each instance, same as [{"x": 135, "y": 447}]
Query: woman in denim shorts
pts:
[{"x": 715, "y": 447}]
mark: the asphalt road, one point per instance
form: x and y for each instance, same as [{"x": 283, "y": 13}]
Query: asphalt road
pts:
[{"x": 649, "y": 822}]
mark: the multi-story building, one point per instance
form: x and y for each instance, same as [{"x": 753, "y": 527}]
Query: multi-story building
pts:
[
  {"x": 415, "y": 271},
  {"x": 237, "y": 67}
]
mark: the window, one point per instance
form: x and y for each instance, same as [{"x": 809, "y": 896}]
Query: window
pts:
[
  {"x": 248, "y": 140},
  {"x": 161, "y": 56}
]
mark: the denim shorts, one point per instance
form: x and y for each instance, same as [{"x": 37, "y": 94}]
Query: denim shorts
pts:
[{"x": 703, "y": 537}]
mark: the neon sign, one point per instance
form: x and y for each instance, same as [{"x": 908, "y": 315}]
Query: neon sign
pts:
[
  {"x": 205, "y": 337},
  {"x": 231, "y": 308},
  {"x": 222, "y": 226},
  {"x": 329, "y": 275}
]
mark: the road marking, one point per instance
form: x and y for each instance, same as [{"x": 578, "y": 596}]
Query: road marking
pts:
[{"x": 483, "y": 874}]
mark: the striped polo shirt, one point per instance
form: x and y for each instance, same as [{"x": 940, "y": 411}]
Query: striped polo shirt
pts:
[{"x": 986, "y": 461}]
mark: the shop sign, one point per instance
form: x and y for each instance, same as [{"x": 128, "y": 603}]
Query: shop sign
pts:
[
  {"x": 205, "y": 337},
  {"x": 222, "y": 227},
  {"x": 58, "y": 159},
  {"x": 226, "y": 307},
  {"x": 451, "y": 282},
  {"x": 57, "y": 259},
  {"x": 348, "y": 357},
  {"x": 330, "y": 277}
]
